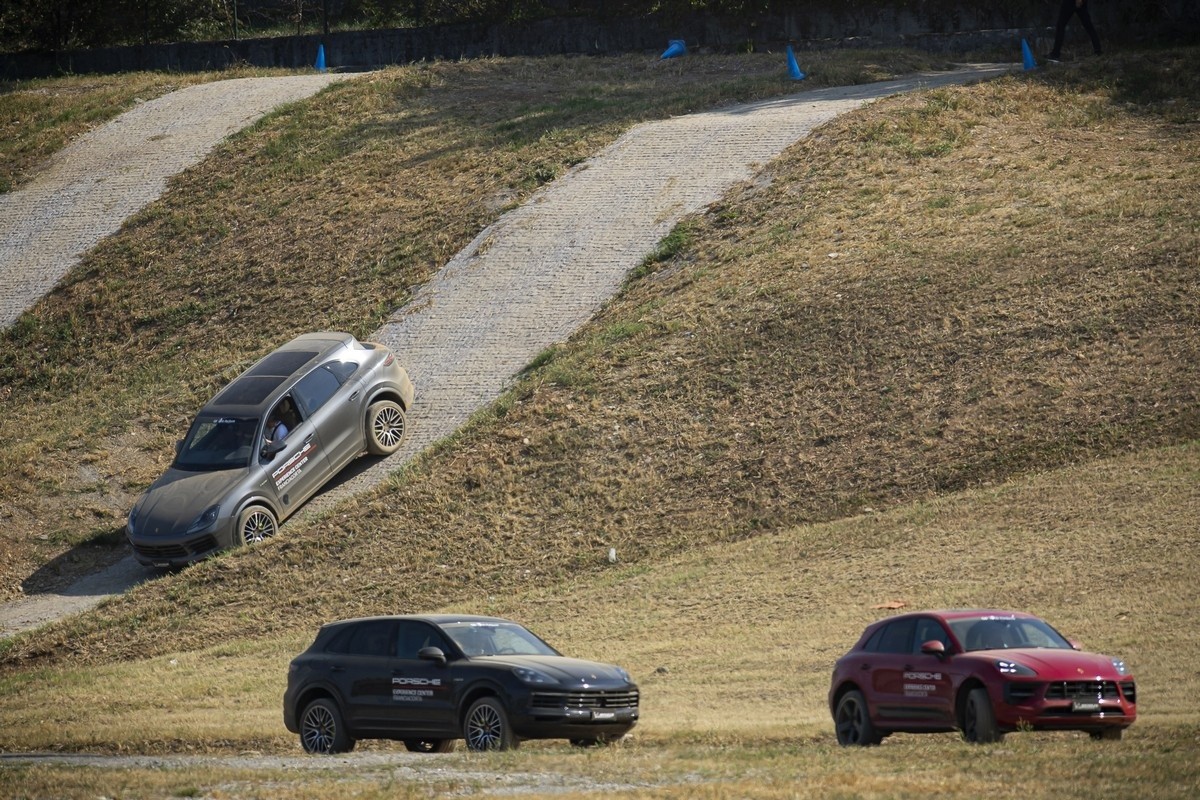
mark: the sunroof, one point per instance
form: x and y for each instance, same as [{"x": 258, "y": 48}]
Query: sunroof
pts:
[
  {"x": 282, "y": 364},
  {"x": 248, "y": 390}
]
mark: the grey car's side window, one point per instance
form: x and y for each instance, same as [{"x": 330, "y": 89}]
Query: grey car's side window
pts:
[
  {"x": 342, "y": 370},
  {"x": 315, "y": 389}
]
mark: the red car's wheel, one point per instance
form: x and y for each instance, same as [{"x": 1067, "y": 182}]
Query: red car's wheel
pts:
[
  {"x": 853, "y": 722},
  {"x": 979, "y": 719}
]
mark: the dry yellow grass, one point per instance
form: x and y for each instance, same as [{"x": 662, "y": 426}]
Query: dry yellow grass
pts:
[{"x": 733, "y": 644}]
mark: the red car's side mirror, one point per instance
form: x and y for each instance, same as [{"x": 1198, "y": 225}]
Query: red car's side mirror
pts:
[
  {"x": 934, "y": 648},
  {"x": 1074, "y": 644}
]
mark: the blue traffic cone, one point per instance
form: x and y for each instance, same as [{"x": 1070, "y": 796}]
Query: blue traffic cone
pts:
[
  {"x": 320, "y": 65},
  {"x": 675, "y": 47},
  {"x": 793, "y": 67},
  {"x": 1027, "y": 55}
]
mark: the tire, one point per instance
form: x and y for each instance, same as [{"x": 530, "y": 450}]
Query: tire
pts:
[
  {"x": 387, "y": 428},
  {"x": 255, "y": 524},
  {"x": 979, "y": 719},
  {"x": 1108, "y": 734},
  {"x": 486, "y": 727},
  {"x": 321, "y": 729},
  {"x": 430, "y": 745},
  {"x": 852, "y": 721}
]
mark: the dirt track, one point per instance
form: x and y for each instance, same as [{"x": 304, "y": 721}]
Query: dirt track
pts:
[{"x": 524, "y": 283}]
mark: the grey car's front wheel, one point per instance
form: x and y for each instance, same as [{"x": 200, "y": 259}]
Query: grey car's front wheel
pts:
[
  {"x": 387, "y": 427},
  {"x": 322, "y": 730},
  {"x": 256, "y": 523},
  {"x": 486, "y": 727}
]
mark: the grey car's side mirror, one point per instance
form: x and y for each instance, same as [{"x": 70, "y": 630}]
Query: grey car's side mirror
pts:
[{"x": 434, "y": 654}]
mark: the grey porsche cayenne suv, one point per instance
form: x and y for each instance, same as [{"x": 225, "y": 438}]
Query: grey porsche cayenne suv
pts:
[{"x": 267, "y": 442}]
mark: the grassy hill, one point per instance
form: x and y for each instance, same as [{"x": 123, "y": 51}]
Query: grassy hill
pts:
[{"x": 942, "y": 352}]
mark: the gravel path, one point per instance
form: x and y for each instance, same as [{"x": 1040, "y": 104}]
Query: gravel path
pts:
[
  {"x": 542, "y": 270},
  {"x": 105, "y": 176}
]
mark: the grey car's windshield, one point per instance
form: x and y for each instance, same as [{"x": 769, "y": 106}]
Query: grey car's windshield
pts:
[
  {"x": 496, "y": 639},
  {"x": 998, "y": 632},
  {"x": 216, "y": 443}
]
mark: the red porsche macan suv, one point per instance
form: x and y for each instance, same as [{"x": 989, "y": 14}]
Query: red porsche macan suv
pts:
[{"x": 982, "y": 672}]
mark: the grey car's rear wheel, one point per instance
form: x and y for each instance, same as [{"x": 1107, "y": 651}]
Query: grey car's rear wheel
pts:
[
  {"x": 979, "y": 718},
  {"x": 852, "y": 721},
  {"x": 486, "y": 727},
  {"x": 322, "y": 730},
  {"x": 387, "y": 427},
  {"x": 256, "y": 523},
  {"x": 430, "y": 745}
]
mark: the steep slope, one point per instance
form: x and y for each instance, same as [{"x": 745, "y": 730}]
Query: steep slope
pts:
[{"x": 940, "y": 291}]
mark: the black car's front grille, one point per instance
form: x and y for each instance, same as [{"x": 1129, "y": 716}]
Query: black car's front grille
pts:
[
  {"x": 595, "y": 699},
  {"x": 194, "y": 547},
  {"x": 1129, "y": 689},
  {"x": 1082, "y": 690}
]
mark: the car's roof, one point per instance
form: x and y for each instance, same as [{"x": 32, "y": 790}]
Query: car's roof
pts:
[
  {"x": 958, "y": 613},
  {"x": 254, "y": 390},
  {"x": 436, "y": 619}
]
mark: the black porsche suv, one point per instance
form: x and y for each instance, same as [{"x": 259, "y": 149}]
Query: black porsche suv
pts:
[{"x": 431, "y": 680}]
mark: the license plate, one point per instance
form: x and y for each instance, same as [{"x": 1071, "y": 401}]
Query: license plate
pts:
[
  {"x": 604, "y": 715},
  {"x": 1085, "y": 705}
]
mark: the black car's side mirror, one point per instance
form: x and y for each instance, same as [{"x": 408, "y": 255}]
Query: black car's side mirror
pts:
[
  {"x": 433, "y": 654},
  {"x": 934, "y": 648}
]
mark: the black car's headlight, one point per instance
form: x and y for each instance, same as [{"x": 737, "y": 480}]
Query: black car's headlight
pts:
[
  {"x": 625, "y": 676},
  {"x": 204, "y": 520},
  {"x": 533, "y": 677},
  {"x": 1013, "y": 668},
  {"x": 133, "y": 512}
]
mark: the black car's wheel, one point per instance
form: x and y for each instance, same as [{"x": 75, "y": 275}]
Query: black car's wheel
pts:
[
  {"x": 486, "y": 727},
  {"x": 853, "y": 723},
  {"x": 1108, "y": 734},
  {"x": 322, "y": 730},
  {"x": 387, "y": 427},
  {"x": 979, "y": 719},
  {"x": 430, "y": 745},
  {"x": 255, "y": 524}
]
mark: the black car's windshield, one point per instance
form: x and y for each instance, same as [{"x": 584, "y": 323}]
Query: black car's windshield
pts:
[
  {"x": 998, "y": 632},
  {"x": 496, "y": 639},
  {"x": 216, "y": 443}
]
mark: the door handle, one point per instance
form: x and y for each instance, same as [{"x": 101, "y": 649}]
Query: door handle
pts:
[
  {"x": 336, "y": 668},
  {"x": 354, "y": 396},
  {"x": 308, "y": 439},
  {"x": 865, "y": 667}
]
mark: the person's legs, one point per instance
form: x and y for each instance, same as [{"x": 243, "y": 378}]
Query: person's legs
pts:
[
  {"x": 1086, "y": 19},
  {"x": 1065, "y": 10}
]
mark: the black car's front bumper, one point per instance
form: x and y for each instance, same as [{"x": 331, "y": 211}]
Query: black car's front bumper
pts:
[{"x": 575, "y": 715}]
